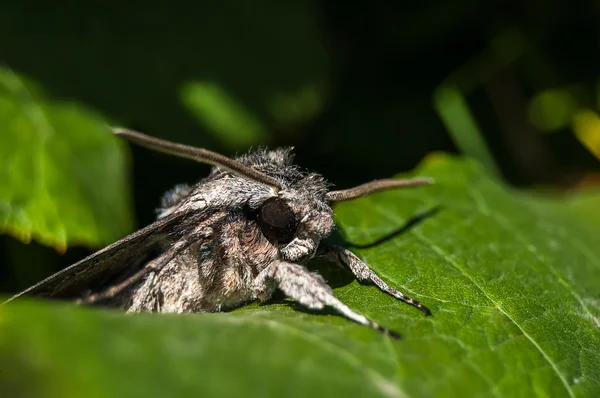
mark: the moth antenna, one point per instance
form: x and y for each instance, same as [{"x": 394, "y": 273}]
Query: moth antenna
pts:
[
  {"x": 198, "y": 154},
  {"x": 376, "y": 186}
]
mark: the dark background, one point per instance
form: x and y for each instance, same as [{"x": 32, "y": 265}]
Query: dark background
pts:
[{"x": 354, "y": 86}]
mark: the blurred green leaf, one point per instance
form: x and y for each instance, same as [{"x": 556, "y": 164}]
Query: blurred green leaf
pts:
[
  {"x": 298, "y": 107},
  {"x": 228, "y": 120},
  {"x": 62, "y": 174},
  {"x": 552, "y": 110},
  {"x": 233, "y": 125},
  {"x": 454, "y": 111},
  {"x": 513, "y": 282},
  {"x": 254, "y": 73}
]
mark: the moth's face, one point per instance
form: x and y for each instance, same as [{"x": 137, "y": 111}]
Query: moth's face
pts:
[{"x": 296, "y": 223}]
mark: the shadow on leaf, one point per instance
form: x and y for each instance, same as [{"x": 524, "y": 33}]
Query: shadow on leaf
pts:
[{"x": 412, "y": 223}]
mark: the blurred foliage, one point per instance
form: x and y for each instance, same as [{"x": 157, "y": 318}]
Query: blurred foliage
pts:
[
  {"x": 227, "y": 120},
  {"x": 513, "y": 283},
  {"x": 552, "y": 110},
  {"x": 458, "y": 119},
  {"x": 62, "y": 173}
]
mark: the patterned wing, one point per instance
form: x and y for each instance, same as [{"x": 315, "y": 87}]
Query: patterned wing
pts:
[{"x": 119, "y": 258}]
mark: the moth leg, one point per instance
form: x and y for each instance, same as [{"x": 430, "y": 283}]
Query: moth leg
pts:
[
  {"x": 345, "y": 258},
  {"x": 309, "y": 289},
  {"x": 153, "y": 266}
]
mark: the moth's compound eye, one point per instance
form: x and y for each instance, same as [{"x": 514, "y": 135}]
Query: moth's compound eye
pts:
[{"x": 276, "y": 220}]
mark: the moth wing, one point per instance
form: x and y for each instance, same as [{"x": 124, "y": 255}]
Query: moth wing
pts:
[{"x": 114, "y": 260}]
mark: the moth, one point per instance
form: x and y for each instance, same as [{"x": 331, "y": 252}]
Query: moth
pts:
[{"x": 238, "y": 235}]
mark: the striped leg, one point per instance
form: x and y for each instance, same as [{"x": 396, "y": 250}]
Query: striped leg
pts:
[{"x": 346, "y": 258}]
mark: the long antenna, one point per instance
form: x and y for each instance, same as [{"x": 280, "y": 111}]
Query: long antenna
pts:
[
  {"x": 199, "y": 155},
  {"x": 375, "y": 186}
]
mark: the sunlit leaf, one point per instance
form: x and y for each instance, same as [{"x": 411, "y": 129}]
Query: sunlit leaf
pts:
[{"x": 62, "y": 174}]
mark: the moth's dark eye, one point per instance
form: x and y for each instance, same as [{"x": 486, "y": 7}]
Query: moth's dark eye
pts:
[{"x": 276, "y": 220}]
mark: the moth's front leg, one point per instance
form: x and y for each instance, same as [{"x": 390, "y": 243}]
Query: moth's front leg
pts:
[
  {"x": 309, "y": 289},
  {"x": 344, "y": 257}
]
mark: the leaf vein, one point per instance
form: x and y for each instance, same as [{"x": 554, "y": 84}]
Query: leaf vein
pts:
[
  {"x": 545, "y": 355},
  {"x": 439, "y": 251}
]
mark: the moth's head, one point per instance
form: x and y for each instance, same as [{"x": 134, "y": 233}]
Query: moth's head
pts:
[
  {"x": 297, "y": 219},
  {"x": 294, "y": 216}
]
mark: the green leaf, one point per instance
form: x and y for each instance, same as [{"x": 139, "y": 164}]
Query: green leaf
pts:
[
  {"x": 62, "y": 174},
  {"x": 513, "y": 282},
  {"x": 226, "y": 118},
  {"x": 246, "y": 81}
]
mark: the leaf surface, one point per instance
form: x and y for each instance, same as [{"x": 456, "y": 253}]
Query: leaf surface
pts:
[
  {"x": 513, "y": 282},
  {"x": 62, "y": 179}
]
